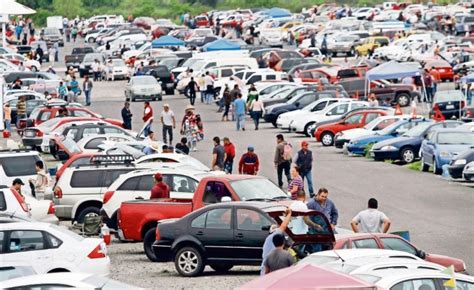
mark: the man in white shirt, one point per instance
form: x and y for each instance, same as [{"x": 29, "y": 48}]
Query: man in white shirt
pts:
[
  {"x": 209, "y": 84},
  {"x": 95, "y": 66},
  {"x": 168, "y": 121},
  {"x": 297, "y": 224},
  {"x": 371, "y": 220}
]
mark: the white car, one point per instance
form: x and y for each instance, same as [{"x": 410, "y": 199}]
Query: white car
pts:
[
  {"x": 143, "y": 87},
  {"x": 31, "y": 64},
  {"x": 6, "y": 66},
  {"x": 271, "y": 36},
  {"x": 302, "y": 123},
  {"x": 115, "y": 69},
  {"x": 171, "y": 158},
  {"x": 92, "y": 143},
  {"x": 365, "y": 12},
  {"x": 50, "y": 248}
]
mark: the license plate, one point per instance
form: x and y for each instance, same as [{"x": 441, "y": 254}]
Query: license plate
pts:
[
  {"x": 449, "y": 107},
  {"x": 29, "y": 134},
  {"x": 169, "y": 85},
  {"x": 372, "y": 154}
]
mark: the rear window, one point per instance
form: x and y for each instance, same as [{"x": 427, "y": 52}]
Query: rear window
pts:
[
  {"x": 381, "y": 41},
  {"x": 86, "y": 179},
  {"x": 19, "y": 165},
  {"x": 3, "y": 204}
]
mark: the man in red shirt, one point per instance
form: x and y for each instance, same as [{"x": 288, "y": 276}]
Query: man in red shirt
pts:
[
  {"x": 160, "y": 189},
  {"x": 249, "y": 162},
  {"x": 147, "y": 115},
  {"x": 229, "y": 150}
]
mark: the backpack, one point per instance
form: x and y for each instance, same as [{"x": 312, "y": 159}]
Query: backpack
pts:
[{"x": 287, "y": 152}]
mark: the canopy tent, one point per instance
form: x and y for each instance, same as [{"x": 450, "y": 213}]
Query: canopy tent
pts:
[
  {"x": 221, "y": 44},
  {"x": 166, "y": 40},
  {"x": 277, "y": 12},
  {"x": 10, "y": 7},
  {"x": 392, "y": 70}
]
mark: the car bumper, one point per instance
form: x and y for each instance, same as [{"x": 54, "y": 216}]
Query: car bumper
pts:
[
  {"x": 385, "y": 155},
  {"x": 73, "y": 64},
  {"x": 456, "y": 170},
  {"x": 356, "y": 149},
  {"x": 62, "y": 211},
  {"x": 31, "y": 142},
  {"x": 100, "y": 267},
  {"x": 162, "y": 250},
  {"x": 339, "y": 143},
  {"x": 50, "y": 219},
  {"x": 285, "y": 125},
  {"x": 146, "y": 96}
]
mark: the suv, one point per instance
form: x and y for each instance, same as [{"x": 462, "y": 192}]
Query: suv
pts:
[
  {"x": 162, "y": 75},
  {"x": 79, "y": 191},
  {"x": 18, "y": 163},
  {"x": 267, "y": 76},
  {"x": 371, "y": 44},
  {"x": 344, "y": 44},
  {"x": 52, "y": 35}
]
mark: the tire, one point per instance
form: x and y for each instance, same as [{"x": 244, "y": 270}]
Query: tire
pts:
[
  {"x": 334, "y": 54},
  {"x": 148, "y": 241},
  {"x": 221, "y": 268},
  {"x": 306, "y": 129},
  {"x": 91, "y": 210},
  {"x": 407, "y": 155},
  {"x": 91, "y": 40},
  {"x": 327, "y": 139},
  {"x": 189, "y": 262},
  {"x": 436, "y": 170},
  {"x": 403, "y": 99},
  {"x": 424, "y": 167},
  {"x": 468, "y": 178},
  {"x": 274, "y": 123}
]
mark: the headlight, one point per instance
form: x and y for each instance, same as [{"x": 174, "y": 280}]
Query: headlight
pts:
[
  {"x": 460, "y": 162},
  {"x": 444, "y": 154},
  {"x": 389, "y": 148}
]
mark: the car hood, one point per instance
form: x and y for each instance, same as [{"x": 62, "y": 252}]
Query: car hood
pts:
[
  {"x": 290, "y": 115},
  {"x": 371, "y": 139},
  {"x": 356, "y": 132},
  {"x": 396, "y": 141},
  {"x": 454, "y": 149}
]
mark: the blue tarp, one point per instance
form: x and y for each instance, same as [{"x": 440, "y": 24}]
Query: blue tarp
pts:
[
  {"x": 167, "y": 40},
  {"x": 277, "y": 12},
  {"x": 392, "y": 70},
  {"x": 221, "y": 44}
]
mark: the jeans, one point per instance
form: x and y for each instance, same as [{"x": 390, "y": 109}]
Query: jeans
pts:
[
  {"x": 8, "y": 125},
  {"x": 203, "y": 96},
  {"x": 208, "y": 98},
  {"x": 256, "y": 115},
  {"x": 88, "y": 97},
  {"x": 192, "y": 97},
  {"x": 228, "y": 166},
  {"x": 168, "y": 130},
  {"x": 309, "y": 179},
  {"x": 284, "y": 166},
  {"x": 240, "y": 121},
  {"x": 226, "y": 111}
]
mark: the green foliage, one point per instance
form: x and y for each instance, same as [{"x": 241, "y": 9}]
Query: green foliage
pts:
[
  {"x": 69, "y": 8},
  {"x": 367, "y": 150},
  {"x": 414, "y": 166}
]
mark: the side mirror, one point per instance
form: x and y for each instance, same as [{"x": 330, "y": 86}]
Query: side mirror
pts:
[
  {"x": 266, "y": 228},
  {"x": 421, "y": 254},
  {"x": 329, "y": 114},
  {"x": 139, "y": 198},
  {"x": 342, "y": 123},
  {"x": 297, "y": 104}
]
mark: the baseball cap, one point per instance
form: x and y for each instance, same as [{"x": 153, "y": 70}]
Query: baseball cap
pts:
[
  {"x": 304, "y": 143},
  {"x": 158, "y": 177},
  {"x": 18, "y": 181},
  {"x": 250, "y": 148}
]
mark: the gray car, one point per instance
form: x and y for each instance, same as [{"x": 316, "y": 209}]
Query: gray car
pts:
[
  {"x": 52, "y": 35},
  {"x": 143, "y": 87},
  {"x": 344, "y": 44}
]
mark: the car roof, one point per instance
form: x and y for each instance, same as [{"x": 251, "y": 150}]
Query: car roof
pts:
[
  {"x": 452, "y": 130},
  {"x": 354, "y": 253},
  {"x": 362, "y": 235}
]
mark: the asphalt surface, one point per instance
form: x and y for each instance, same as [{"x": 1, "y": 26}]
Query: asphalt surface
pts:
[{"x": 436, "y": 212}]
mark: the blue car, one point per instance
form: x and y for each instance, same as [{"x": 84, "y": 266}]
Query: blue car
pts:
[
  {"x": 407, "y": 147},
  {"x": 442, "y": 145},
  {"x": 358, "y": 145}
]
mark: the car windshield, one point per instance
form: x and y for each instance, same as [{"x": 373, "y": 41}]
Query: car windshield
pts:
[
  {"x": 451, "y": 138},
  {"x": 417, "y": 131},
  {"x": 257, "y": 189},
  {"x": 297, "y": 98},
  {"x": 90, "y": 57},
  {"x": 373, "y": 123},
  {"x": 118, "y": 62},
  {"x": 144, "y": 80},
  {"x": 448, "y": 96},
  {"x": 318, "y": 260},
  {"x": 193, "y": 162},
  {"x": 389, "y": 129}
]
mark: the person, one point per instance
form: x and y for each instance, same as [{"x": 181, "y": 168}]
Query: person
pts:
[
  {"x": 20, "y": 110},
  {"x": 39, "y": 54},
  {"x": 240, "y": 110},
  {"x": 51, "y": 55},
  {"x": 268, "y": 245},
  {"x": 252, "y": 94},
  {"x": 56, "y": 51},
  {"x": 278, "y": 258},
  {"x": 436, "y": 78},
  {"x": 191, "y": 88},
  {"x": 209, "y": 83},
  {"x": 229, "y": 150},
  {"x": 62, "y": 91},
  {"x": 127, "y": 116},
  {"x": 324, "y": 45},
  {"x": 107, "y": 46},
  {"x": 249, "y": 162},
  {"x": 427, "y": 79},
  {"x": 256, "y": 111},
  {"x": 87, "y": 88},
  {"x": 169, "y": 123},
  {"x": 304, "y": 161},
  {"x": 7, "y": 116},
  {"x": 95, "y": 69},
  {"x": 160, "y": 189},
  {"x": 371, "y": 220},
  {"x": 373, "y": 102},
  {"x": 299, "y": 225},
  {"x": 147, "y": 116},
  {"x": 16, "y": 85},
  {"x": 74, "y": 33},
  {"x": 62, "y": 113},
  {"x": 41, "y": 181},
  {"x": 68, "y": 33},
  {"x": 227, "y": 99},
  {"x": 322, "y": 203},
  {"x": 74, "y": 88},
  {"x": 182, "y": 145},
  {"x": 282, "y": 159},
  {"x": 202, "y": 87},
  {"x": 17, "y": 184},
  {"x": 296, "y": 183},
  {"x": 218, "y": 155}
]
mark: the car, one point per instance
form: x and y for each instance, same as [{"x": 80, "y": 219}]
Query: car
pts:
[
  {"x": 94, "y": 143},
  {"x": 464, "y": 23},
  {"x": 449, "y": 103},
  {"x": 282, "y": 94},
  {"x": 359, "y": 145},
  {"x": 48, "y": 248},
  {"x": 171, "y": 158},
  {"x": 52, "y": 35},
  {"x": 163, "y": 75},
  {"x": 202, "y": 237},
  {"x": 287, "y": 64},
  {"x": 144, "y": 87},
  {"x": 371, "y": 43},
  {"x": 12, "y": 203},
  {"x": 460, "y": 162},
  {"x": 343, "y": 44},
  {"x": 407, "y": 147},
  {"x": 444, "y": 69},
  {"x": 17, "y": 59},
  {"x": 442, "y": 145},
  {"x": 271, "y": 37},
  {"x": 115, "y": 69},
  {"x": 33, "y": 100}
]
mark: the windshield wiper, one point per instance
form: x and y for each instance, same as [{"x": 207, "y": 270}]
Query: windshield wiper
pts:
[{"x": 280, "y": 197}]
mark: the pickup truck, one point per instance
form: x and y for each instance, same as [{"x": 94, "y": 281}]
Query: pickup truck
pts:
[
  {"x": 77, "y": 55},
  {"x": 137, "y": 219}
]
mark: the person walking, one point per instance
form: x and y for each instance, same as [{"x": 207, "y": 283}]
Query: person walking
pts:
[
  {"x": 322, "y": 203},
  {"x": 218, "y": 155},
  {"x": 278, "y": 258},
  {"x": 229, "y": 150},
  {"x": 20, "y": 110},
  {"x": 191, "y": 88},
  {"x": 168, "y": 121},
  {"x": 7, "y": 116},
  {"x": 209, "y": 83},
  {"x": 160, "y": 189},
  {"x": 202, "y": 87},
  {"x": 39, "y": 54},
  {"x": 227, "y": 102},
  {"x": 282, "y": 159},
  {"x": 147, "y": 117},
  {"x": 127, "y": 116},
  {"x": 371, "y": 220},
  {"x": 249, "y": 162},
  {"x": 256, "y": 111},
  {"x": 51, "y": 55},
  {"x": 296, "y": 184},
  {"x": 74, "y": 33},
  {"x": 74, "y": 88},
  {"x": 87, "y": 88},
  {"x": 240, "y": 109},
  {"x": 304, "y": 161}
]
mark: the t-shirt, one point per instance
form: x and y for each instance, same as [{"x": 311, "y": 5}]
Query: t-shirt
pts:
[
  {"x": 239, "y": 105},
  {"x": 298, "y": 181},
  {"x": 219, "y": 150},
  {"x": 167, "y": 117},
  {"x": 268, "y": 247},
  {"x": 160, "y": 190},
  {"x": 370, "y": 220},
  {"x": 279, "y": 259},
  {"x": 297, "y": 224}
]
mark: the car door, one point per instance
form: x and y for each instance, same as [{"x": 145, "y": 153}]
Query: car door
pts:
[
  {"x": 428, "y": 147},
  {"x": 250, "y": 231},
  {"x": 353, "y": 121},
  {"x": 398, "y": 244},
  {"x": 364, "y": 243}
]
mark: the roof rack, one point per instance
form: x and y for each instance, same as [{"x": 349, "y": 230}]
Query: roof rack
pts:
[{"x": 112, "y": 159}]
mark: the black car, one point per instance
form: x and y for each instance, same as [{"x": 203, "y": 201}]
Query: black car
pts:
[
  {"x": 449, "y": 103},
  {"x": 456, "y": 166},
  {"x": 233, "y": 233},
  {"x": 162, "y": 75},
  {"x": 23, "y": 49}
]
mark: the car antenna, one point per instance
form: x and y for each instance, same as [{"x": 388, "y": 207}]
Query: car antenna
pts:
[{"x": 340, "y": 258}]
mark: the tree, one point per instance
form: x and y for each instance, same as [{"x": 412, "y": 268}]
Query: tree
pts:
[{"x": 69, "y": 8}]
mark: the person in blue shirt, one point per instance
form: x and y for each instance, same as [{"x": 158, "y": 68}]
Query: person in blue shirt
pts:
[
  {"x": 240, "y": 108},
  {"x": 74, "y": 87},
  {"x": 323, "y": 204}
]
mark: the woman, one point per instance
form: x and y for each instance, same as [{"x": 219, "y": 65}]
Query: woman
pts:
[
  {"x": 227, "y": 101},
  {"x": 256, "y": 108},
  {"x": 296, "y": 183},
  {"x": 7, "y": 113},
  {"x": 251, "y": 95}
]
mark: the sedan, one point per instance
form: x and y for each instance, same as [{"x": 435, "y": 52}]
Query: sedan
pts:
[
  {"x": 449, "y": 103},
  {"x": 459, "y": 163},
  {"x": 116, "y": 68},
  {"x": 143, "y": 87}
]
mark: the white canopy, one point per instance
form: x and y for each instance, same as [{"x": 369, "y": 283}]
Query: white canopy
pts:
[{"x": 12, "y": 7}]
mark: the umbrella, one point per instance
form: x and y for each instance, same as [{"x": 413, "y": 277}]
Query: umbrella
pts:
[
  {"x": 10, "y": 7},
  {"x": 306, "y": 276}
]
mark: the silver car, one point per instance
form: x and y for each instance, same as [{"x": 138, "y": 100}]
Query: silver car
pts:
[
  {"x": 343, "y": 44},
  {"x": 143, "y": 87}
]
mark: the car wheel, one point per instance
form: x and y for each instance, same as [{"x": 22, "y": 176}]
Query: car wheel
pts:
[
  {"x": 148, "y": 240},
  {"x": 307, "y": 130},
  {"x": 436, "y": 169},
  {"x": 91, "y": 40},
  {"x": 327, "y": 139},
  {"x": 221, "y": 268},
  {"x": 468, "y": 178},
  {"x": 334, "y": 54},
  {"x": 88, "y": 211},
  {"x": 188, "y": 262},
  {"x": 403, "y": 99},
  {"x": 407, "y": 155},
  {"x": 274, "y": 123},
  {"x": 424, "y": 167}
]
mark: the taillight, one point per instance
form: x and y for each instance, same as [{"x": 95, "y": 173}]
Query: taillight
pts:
[
  {"x": 23, "y": 123},
  {"x": 107, "y": 196},
  {"x": 39, "y": 133},
  {"x": 468, "y": 113},
  {"x": 172, "y": 77},
  {"x": 463, "y": 104},
  {"x": 97, "y": 253},
  {"x": 51, "y": 209},
  {"x": 58, "y": 193},
  {"x": 20, "y": 200},
  {"x": 157, "y": 234}
]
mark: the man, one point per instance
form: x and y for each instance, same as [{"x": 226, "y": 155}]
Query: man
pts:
[
  {"x": 51, "y": 55},
  {"x": 95, "y": 69},
  {"x": 279, "y": 258},
  {"x": 209, "y": 83},
  {"x": 41, "y": 181},
  {"x": 249, "y": 163},
  {"x": 304, "y": 161},
  {"x": 282, "y": 160},
  {"x": 160, "y": 189},
  {"x": 322, "y": 203},
  {"x": 371, "y": 220},
  {"x": 169, "y": 123},
  {"x": 191, "y": 89},
  {"x": 147, "y": 117},
  {"x": 218, "y": 154},
  {"x": 127, "y": 116},
  {"x": 39, "y": 54},
  {"x": 17, "y": 184},
  {"x": 229, "y": 150},
  {"x": 87, "y": 88},
  {"x": 183, "y": 145},
  {"x": 240, "y": 108}
]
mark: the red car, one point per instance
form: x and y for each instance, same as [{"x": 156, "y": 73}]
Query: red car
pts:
[
  {"x": 443, "y": 67},
  {"x": 394, "y": 242},
  {"x": 325, "y": 133},
  {"x": 201, "y": 21}
]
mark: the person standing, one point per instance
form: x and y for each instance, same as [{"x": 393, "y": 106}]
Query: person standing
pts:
[
  {"x": 296, "y": 184},
  {"x": 183, "y": 146},
  {"x": 436, "y": 78},
  {"x": 62, "y": 91},
  {"x": 41, "y": 181},
  {"x": 209, "y": 83},
  {"x": 127, "y": 116},
  {"x": 56, "y": 51},
  {"x": 256, "y": 110},
  {"x": 39, "y": 54},
  {"x": 282, "y": 159},
  {"x": 74, "y": 87},
  {"x": 227, "y": 100},
  {"x": 168, "y": 121},
  {"x": 371, "y": 220},
  {"x": 240, "y": 109},
  {"x": 147, "y": 117},
  {"x": 160, "y": 189},
  {"x": 95, "y": 70},
  {"x": 74, "y": 33},
  {"x": 51, "y": 55},
  {"x": 87, "y": 88},
  {"x": 249, "y": 162},
  {"x": 7, "y": 116},
  {"x": 322, "y": 203},
  {"x": 427, "y": 79},
  {"x": 20, "y": 110},
  {"x": 218, "y": 155},
  {"x": 304, "y": 161},
  {"x": 191, "y": 88},
  {"x": 278, "y": 258},
  {"x": 229, "y": 150}
]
